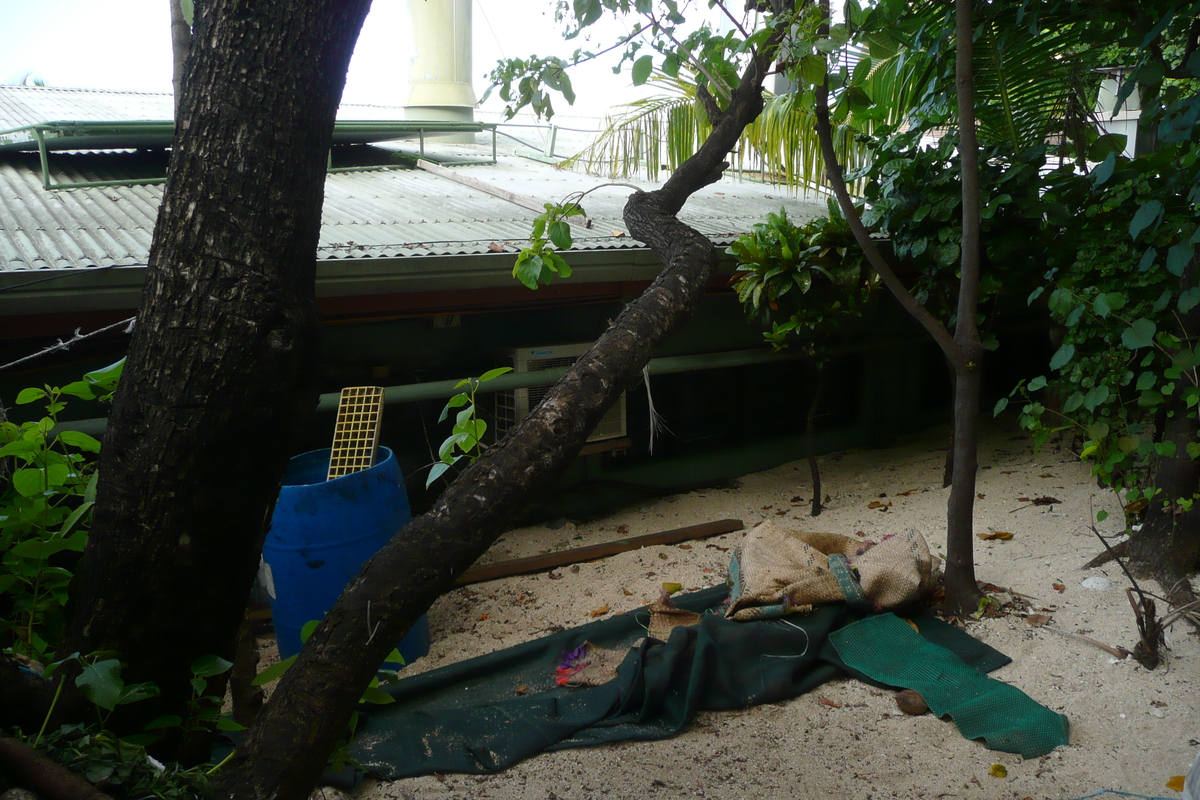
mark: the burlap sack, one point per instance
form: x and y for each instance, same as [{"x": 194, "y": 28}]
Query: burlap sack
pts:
[{"x": 777, "y": 571}]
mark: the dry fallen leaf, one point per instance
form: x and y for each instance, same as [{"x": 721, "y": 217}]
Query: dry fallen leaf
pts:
[
  {"x": 1046, "y": 501},
  {"x": 1037, "y": 620},
  {"x": 1045, "y": 475},
  {"x": 767, "y": 508},
  {"x": 554, "y": 576},
  {"x": 905, "y": 494},
  {"x": 1176, "y": 783},
  {"x": 496, "y": 248},
  {"x": 797, "y": 499},
  {"x": 684, "y": 546},
  {"x": 877, "y": 504},
  {"x": 1137, "y": 506},
  {"x": 522, "y": 689},
  {"x": 1008, "y": 472},
  {"x": 627, "y": 593},
  {"x": 912, "y": 625},
  {"x": 601, "y": 611},
  {"x": 998, "y": 771},
  {"x": 718, "y": 547},
  {"x": 672, "y": 588},
  {"x": 482, "y": 617},
  {"x": 826, "y": 702},
  {"x": 1058, "y": 587},
  {"x": 618, "y": 233},
  {"x": 622, "y": 529},
  {"x": 979, "y": 495},
  {"x": 1003, "y": 536}
]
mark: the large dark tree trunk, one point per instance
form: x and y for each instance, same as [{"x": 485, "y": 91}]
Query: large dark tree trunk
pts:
[
  {"x": 220, "y": 376},
  {"x": 285, "y": 751}
]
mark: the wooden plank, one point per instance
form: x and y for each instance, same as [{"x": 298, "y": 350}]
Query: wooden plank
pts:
[
  {"x": 521, "y": 566},
  {"x": 494, "y": 191}
]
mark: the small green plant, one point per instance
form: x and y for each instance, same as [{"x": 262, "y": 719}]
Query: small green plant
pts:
[
  {"x": 44, "y": 512},
  {"x": 540, "y": 261},
  {"x": 203, "y": 709},
  {"x": 467, "y": 435}
]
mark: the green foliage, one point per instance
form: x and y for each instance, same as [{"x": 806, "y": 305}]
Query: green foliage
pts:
[
  {"x": 466, "y": 439},
  {"x": 124, "y": 770},
  {"x": 802, "y": 280},
  {"x": 44, "y": 513},
  {"x": 1125, "y": 306},
  {"x": 540, "y": 261}
]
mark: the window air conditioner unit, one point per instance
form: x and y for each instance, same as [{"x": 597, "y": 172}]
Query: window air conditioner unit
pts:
[{"x": 512, "y": 405}]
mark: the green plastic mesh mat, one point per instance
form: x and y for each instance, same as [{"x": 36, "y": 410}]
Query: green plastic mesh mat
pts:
[
  {"x": 487, "y": 713},
  {"x": 886, "y": 649}
]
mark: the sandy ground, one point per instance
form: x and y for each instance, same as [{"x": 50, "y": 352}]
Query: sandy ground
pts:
[{"x": 1131, "y": 729}]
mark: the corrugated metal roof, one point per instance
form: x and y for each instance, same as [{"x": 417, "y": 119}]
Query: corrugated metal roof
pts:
[{"x": 384, "y": 213}]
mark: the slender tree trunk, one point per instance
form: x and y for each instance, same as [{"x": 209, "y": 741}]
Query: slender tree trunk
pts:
[
  {"x": 285, "y": 751},
  {"x": 181, "y": 45},
  {"x": 810, "y": 445},
  {"x": 961, "y": 588},
  {"x": 220, "y": 373},
  {"x": 963, "y": 350}
]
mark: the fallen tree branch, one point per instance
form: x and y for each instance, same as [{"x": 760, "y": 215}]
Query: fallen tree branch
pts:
[{"x": 32, "y": 770}]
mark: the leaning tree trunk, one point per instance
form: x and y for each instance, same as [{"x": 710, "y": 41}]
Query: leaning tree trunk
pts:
[
  {"x": 284, "y": 752},
  {"x": 220, "y": 373},
  {"x": 181, "y": 45}
]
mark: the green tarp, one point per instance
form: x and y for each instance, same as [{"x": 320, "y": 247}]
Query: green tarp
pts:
[{"x": 487, "y": 713}]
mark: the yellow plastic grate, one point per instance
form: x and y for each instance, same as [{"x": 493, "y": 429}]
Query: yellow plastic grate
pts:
[{"x": 356, "y": 433}]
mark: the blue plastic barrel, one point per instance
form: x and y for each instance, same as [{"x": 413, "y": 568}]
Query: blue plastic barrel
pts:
[{"x": 322, "y": 532}]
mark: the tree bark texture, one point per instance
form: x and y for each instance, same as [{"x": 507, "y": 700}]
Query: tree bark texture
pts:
[
  {"x": 220, "y": 376},
  {"x": 284, "y": 752}
]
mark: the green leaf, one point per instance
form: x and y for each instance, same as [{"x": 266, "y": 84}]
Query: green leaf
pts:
[
  {"x": 228, "y": 723},
  {"x": 1139, "y": 334},
  {"x": 210, "y": 665},
  {"x": 78, "y": 389},
  {"x": 1188, "y": 300},
  {"x": 1193, "y": 450},
  {"x": 642, "y": 69},
  {"x": 1147, "y": 259},
  {"x": 560, "y": 234},
  {"x": 307, "y": 629},
  {"x": 101, "y": 683},
  {"x": 528, "y": 269},
  {"x": 1103, "y": 172},
  {"x": 1148, "y": 214},
  {"x": 80, "y": 440},
  {"x": 1001, "y": 404},
  {"x": 1146, "y": 381},
  {"x": 1178, "y": 257},
  {"x": 29, "y": 482},
  {"x": 436, "y": 472},
  {"x": 494, "y": 373},
  {"x": 1101, "y": 515},
  {"x": 1036, "y": 383},
  {"x": 1165, "y": 449},
  {"x": 1062, "y": 356},
  {"x": 1097, "y": 396},
  {"x": 168, "y": 721},
  {"x": 272, "y": 672},
  {"x": 30, "y": 395},
  {"x": 136, "y": 692},
  {"x": 377, "y": 696}
]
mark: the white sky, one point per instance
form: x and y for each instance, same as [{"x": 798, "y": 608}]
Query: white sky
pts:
[{"x": 125, "y": 44}]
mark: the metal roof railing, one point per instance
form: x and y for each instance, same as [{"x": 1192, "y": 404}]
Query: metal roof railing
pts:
[{"x": 75, "y": 135}]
